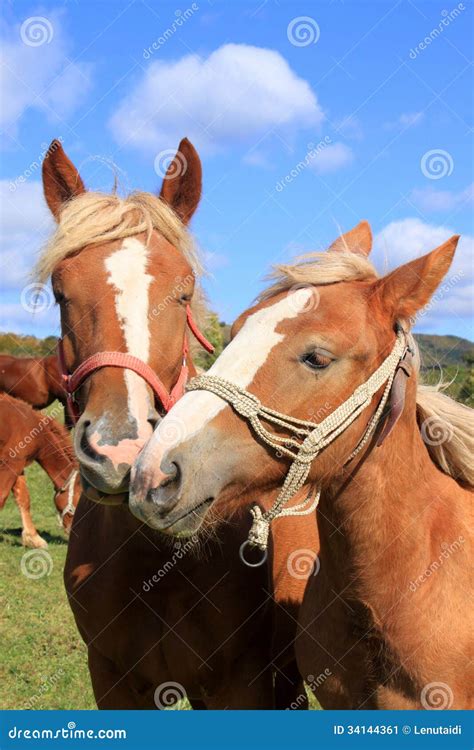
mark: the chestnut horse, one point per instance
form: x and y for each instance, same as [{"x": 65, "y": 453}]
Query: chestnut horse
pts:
[
  {"x": 384, "y": 622},
  {"x": 26, "y": 436},
  {"x": 36, "y": 380},
  {"x": 159, "y": 620}
]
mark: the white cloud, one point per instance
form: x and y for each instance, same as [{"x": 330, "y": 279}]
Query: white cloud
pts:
[
  {"x": 430, "y": 199},
  {"x": 25, "y": 223},
  {"x": 39, "y": 77},
  {"x": 406, "y": 239},
  {"x": 237, "y": 94},
  {"x": 331, "y": 158},
  {"x": 405, "y": 120}
]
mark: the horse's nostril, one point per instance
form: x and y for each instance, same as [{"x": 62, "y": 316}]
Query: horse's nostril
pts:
[{"x": 173, "y": 474}]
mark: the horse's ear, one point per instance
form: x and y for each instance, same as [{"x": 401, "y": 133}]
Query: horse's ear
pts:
[
  {"x": 409, "y": 288},
  {"x": 358, "y": 240},
  {"x": 182, "y": 183},
  {"x": 61, "y": 180}
]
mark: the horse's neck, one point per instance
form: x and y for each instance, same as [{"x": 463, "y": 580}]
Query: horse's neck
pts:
[
  {"x": 55, "y": 457},
  {"x": 384, "y": 522}
]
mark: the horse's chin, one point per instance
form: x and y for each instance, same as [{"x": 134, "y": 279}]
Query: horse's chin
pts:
[{"x": 102, "y": 498}]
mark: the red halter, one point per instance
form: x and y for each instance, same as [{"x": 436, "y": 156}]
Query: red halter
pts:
[{"x": 73, "y": 381}]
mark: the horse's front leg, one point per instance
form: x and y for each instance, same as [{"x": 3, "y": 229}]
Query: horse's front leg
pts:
[{"x": 29, "y": 534}]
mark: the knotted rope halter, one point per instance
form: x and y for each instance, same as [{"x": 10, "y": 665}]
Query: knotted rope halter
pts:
[
  {"x": 314, "y": 437},
  {"x": 69, "y": 507},
  {"x": 73, "y": 381}
]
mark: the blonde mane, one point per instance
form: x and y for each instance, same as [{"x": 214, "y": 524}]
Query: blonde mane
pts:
[
  {"x": 93, "y": 218},
  {"x": 446, "y": 425}
]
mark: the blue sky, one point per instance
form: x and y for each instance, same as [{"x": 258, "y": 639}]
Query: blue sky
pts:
[{"x": 384, "y": 88}]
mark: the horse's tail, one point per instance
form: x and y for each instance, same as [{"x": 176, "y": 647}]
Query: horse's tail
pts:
[{"x": 447, "y": 430}]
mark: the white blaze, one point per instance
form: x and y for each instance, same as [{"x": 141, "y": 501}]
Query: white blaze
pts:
[
  {"x": 239, "y": 363},
  {"x": 127, "y": 271}
]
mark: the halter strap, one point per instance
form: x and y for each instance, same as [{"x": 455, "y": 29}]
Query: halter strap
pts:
[
  {"x": 73, "y": 381},
  {"x": 309, "y": 439},
  {"x": 69, "y": 485}
]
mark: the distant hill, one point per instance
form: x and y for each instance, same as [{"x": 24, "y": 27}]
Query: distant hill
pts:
[{"x": 444, "y": 350}]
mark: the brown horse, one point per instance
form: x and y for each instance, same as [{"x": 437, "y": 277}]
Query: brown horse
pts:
[
  {"x": 26, "y": 436},
  {"x": 36, "y": 380},
  {"x": 384, "y": 623},
  {"x": 159, "y": 620}
]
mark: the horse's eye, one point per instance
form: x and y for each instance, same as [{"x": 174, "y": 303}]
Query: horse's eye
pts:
[
  {"x": 186, "y": 297},
  {"x": 316, "y": 360}
]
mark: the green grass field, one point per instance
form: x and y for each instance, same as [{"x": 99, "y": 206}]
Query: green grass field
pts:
[{"x": 44, "y": 661}]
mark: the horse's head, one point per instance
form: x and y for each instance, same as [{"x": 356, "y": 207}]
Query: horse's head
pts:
[
  {"x": 320, "y": 331},
  {"x": 123, "y": 273}
]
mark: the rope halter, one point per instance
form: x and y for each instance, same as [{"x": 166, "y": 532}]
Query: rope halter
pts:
[
  {"x": 69, "y": 507},
  {"x": 307, "y": 439}
]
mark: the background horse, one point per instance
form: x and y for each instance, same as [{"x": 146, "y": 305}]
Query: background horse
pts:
[
  {"x": 377, "y": 629},
  {"x": 154, "y": 616},
  {"x": 36, "y": 380},
  {"x": 26, "y": 436}
]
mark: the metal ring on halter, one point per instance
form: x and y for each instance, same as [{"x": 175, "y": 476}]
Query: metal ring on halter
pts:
[{"x": 244, "y": 546}]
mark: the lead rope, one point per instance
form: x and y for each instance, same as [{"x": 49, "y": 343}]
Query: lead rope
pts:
[{"x": 315, "y": 437}]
